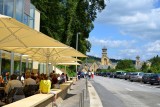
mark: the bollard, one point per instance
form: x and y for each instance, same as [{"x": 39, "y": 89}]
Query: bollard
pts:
[
  {"x": 83, "y": 97},
  {"x": 86, "y": 88},
  {"x": 80, "y": 100}
]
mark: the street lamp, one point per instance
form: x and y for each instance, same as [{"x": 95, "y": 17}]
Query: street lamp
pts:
[{"x": 77, "y": 47}]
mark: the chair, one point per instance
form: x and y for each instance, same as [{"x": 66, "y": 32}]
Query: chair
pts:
[
  {"x": 30, "y": 90},
  {"x": 15, "y": 95}
]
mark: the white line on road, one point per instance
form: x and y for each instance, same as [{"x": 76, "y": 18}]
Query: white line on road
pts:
[
  {"x": 158, "y": 104},
  {"x": 128, "y": 89}
]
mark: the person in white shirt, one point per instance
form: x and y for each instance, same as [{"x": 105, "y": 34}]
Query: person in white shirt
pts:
[{"x": 12, "y": 84}]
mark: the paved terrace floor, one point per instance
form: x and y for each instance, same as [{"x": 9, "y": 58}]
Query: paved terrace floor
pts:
[{"x": 73, "y": 96}]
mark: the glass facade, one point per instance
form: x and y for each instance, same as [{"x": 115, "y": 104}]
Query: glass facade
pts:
[
  {"x": 6, "y": 63},
  {"x": 25, "y": 20},
  {"x": 1, "y": 6},
  {"x": 15, "y": 9},
  {"x": 24, "y": 14},
  {"x": 9, "y": 7},
  {"x": 19, "y": 10},
  {"x": 32, "y": 14}
]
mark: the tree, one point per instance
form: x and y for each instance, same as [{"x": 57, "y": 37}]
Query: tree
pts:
[
  {"x": 125, "y": 64},
  {"x": 63, "y": 19},
  {"x": 155, "y": 66},
  {"x": 144, "y": 67}
]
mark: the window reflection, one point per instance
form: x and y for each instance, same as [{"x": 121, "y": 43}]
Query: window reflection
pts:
[
  {"x": 25, "y": 21},
  {"x": 19, "y": 10},
  {"x": 1, "y": 6},
  {"x": 32, "y": 13},
  {"x": 8, "y": 7},
  {"x": 6, "y": 63}
]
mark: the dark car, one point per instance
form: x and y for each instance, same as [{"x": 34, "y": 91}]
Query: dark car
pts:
[
  {"x": 112, "y": 74},
  {"x": 146, "y": 77},
  {"x": 104, "y": 74},
  {"x": 155, "y": 79}
]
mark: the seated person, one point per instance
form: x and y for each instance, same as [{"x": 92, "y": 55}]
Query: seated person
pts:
[
  {"x": 6, "y": 78},
  {"x": 1, "y": 81},
  {"x": 55, "y": 81},
  {"x": 29, "y": 80},
  {"x": 45, "y": 87},
  {"x": 12, "y": 83},
  {"x": 29, "y": 86}
]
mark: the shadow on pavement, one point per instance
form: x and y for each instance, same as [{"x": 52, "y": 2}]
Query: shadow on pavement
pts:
[{"x": 69, "y": 95}]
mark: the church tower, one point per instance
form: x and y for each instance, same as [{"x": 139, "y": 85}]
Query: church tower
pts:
[
  {"x": 138, "y": 62},
  {"x": 104, "y": 59}
]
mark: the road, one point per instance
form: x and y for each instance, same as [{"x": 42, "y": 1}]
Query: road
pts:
[{"x": 122, "y": 93}]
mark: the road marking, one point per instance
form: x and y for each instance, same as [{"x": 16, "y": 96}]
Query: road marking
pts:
[
  {"x": 128, "y": 89},
  {"x": 158, "y": 104}
]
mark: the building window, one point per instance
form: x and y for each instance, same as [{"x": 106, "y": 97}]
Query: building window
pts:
[
  {"x": 1, "y": 6},
  {"x": 32, "y": 15},
  {"x": 9, "y": 7},
  {"x": 19, "y": 10},
  {"x": 25, "y": 21}
]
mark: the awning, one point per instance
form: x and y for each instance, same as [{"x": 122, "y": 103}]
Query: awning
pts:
[
  {"x": 47, "y": 55},
  {"x": 69, "y": 63},
  {"x": 16, "y": 34}
]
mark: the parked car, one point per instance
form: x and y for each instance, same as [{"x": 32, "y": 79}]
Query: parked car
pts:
[
  {"x": 127, "y": 76},
  {"x": 122, "y": 76},
  {"x": 146, "y": 77},
  {"x": 136, "y": 76},
  {"x": 112, "y": 74},
  {"x": 155, "y": 79},
  {"x": 118, "y": 74}
]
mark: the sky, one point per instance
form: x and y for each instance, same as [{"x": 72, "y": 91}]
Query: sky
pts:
[{"x": 127, "y": 28}]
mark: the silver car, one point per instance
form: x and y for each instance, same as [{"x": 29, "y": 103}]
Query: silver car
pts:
[{"x": 136, "y": 76}]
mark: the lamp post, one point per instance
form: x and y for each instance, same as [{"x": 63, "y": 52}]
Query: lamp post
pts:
[{"x": 77, "y": 47}]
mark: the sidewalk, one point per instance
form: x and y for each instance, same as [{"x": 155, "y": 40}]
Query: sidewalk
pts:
[{"x": 73, "y": 96}]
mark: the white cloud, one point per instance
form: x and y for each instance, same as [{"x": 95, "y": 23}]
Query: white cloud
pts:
[
  {"x": 129, "y": 53},
  {"x": 92, "y": 53},
  {"x": 111, "y": 43},
  {"x": 153, "y": 47},
  {"x": 135, "y": 18}
]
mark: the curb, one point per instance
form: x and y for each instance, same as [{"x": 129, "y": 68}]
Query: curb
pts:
[{"x": 94, "y": 98}]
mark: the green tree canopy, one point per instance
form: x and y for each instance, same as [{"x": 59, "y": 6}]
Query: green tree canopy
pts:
[
  {"x": 63, "y": 19},
  {"x": 144, "y": 67},
  {"x": 125, "y": 64},
  {"x": 155, "y": 64}
]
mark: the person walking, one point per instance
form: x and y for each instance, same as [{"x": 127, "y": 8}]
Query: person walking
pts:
[
  {"x": 92, "y": 75},
  {"x": 89, "y": 74}
]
